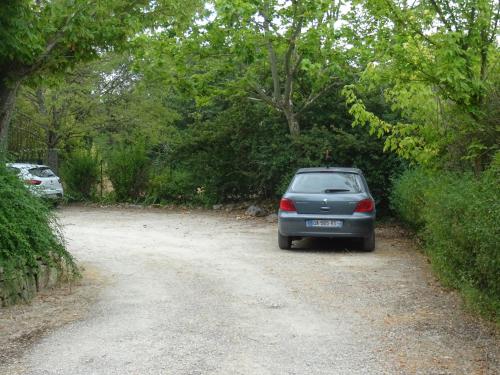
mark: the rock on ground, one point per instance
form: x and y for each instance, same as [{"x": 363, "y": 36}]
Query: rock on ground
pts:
[{"x": 255, "y": 211}]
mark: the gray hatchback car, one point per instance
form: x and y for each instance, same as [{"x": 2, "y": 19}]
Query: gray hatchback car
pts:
[{"x": 327, "y": 202}]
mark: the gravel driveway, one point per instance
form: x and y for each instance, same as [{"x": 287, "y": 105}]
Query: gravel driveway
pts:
[{"x": 203, "y": 293}]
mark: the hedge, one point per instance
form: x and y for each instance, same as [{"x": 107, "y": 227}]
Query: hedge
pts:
[{"x": 456, "y": 216}]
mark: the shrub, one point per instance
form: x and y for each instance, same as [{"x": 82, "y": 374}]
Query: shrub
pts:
[
  {"x": 456, "y": 217},
  {"x": 408, "y": 196},
  {"x": 170, "y": 185},
  {"x": 28, "y": 232},
  {"x": 128, "y": 169},
  {"x": 246, "y": 153},
  {"x": 80, "y": 174}
]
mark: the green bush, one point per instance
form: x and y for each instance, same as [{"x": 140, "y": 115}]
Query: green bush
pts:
[
  {"x": 80, "y": 174},
  {"x": 456, "y": 217},
  {"x": 28, "y": 232},
  {"x": 128, "y": 169},
  {"x": 170, "y": 185},
  {"x": 408, "y": 196},
  {"x": 245, "y": 152}
]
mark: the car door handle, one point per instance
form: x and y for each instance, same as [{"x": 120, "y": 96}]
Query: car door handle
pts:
[{"x": 325, "y": 208}]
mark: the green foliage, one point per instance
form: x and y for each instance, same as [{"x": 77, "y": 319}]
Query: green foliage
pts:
[
  {"x": 284, "y": 55},
  {"x": 408, "y": 198},
  {"x": 179, "y": 186},
  {"x": 245, "y": 151},
  {"x": 56, "y": 34},
  {"x": 437, "y": 66},
  {"x": 456, "y": 215},
  {"x": 28, "y": 232},
  {"x": 80, "y": 174},
  {"x": 128, "y": 169}
]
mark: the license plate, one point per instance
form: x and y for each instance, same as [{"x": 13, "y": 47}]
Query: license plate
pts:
[{"x": 324, "y": 223}]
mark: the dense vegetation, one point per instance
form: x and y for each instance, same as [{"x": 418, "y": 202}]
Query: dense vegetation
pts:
[
  {"x": 81, "y": 174},
  {"x": 201, "y": 102},
  {"x": 29, "y": 233},
  {"x": 455, "y": 214}
]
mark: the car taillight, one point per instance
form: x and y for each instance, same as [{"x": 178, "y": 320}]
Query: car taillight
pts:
[
  {"x": 366, "y": 205},
  {"x": 287, "y": 205},
  {"x": 32, "y": 182}
]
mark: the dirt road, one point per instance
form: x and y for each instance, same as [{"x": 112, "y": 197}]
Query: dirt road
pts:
[{"x": 203, "y": 293}]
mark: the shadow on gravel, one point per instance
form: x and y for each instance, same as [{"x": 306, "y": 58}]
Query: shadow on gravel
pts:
[{"x": 323, "y": 245}]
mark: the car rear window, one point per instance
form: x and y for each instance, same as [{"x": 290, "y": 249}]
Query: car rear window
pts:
[
  {"x": 327, "y": 182},
  {"x": 42, "y": 172}
]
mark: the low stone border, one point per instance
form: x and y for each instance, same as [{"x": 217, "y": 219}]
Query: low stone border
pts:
[{"x": 24, "y": 288}]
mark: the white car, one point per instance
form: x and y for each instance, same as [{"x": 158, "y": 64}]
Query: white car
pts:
[{"x": 39, "y": 179}]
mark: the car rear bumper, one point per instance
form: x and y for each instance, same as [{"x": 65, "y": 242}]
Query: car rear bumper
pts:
[
  {"x": 48, "y": 193},
  {"x": 53, "y": 195},
  {"x": 356, "y": 225}
]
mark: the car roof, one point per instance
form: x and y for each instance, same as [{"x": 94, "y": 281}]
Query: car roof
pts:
[
  {"x": 329, "y": 169},
  {"x": 26, "y": 165}
]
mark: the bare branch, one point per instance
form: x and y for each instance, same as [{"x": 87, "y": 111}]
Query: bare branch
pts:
[
  {"x": 273, "y": 60},
  {"x": 297, "y": 65},
  {"x": 495, "y": 25},
  {"x": 266, "y": 98},
  {"x": 291, "y": 53},
  {"x": 315, "y": 96},
  {"x": 440, "y": 13}
]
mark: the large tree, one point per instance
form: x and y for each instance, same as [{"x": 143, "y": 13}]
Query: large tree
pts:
[
  {"x": 437, "y": 62},
  {"x": 105, "y": 100},
  {"x": 298, "y": 56},
  {"x": 51, "y": 35},
  {"x": 284, "y": 54}
]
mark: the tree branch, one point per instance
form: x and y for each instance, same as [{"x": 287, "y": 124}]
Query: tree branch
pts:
[
  {"x": 273, "y": 60},
  {"x": 51, "y": 45},
  {"x": 440, "y": 13},
  {"x": 290, "y": 53},
  {"x": 495, "y": 25},
  {"x": 315, "y": 96},
  {"x": 266, "y": 98}
]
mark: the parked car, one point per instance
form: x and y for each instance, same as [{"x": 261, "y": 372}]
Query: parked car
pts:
[
  {"x": 39, "y": 179},
  {"x": 327, "y": 202}
]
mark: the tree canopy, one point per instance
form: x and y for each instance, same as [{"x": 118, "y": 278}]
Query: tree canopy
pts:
[
  {"x": 437, "y": 63},
  {"x": 423, "y": 76},
  {"x": 51, "y": 36}
]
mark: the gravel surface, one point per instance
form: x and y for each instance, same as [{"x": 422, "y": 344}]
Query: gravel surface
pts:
[{"x": 203, "y": 293}]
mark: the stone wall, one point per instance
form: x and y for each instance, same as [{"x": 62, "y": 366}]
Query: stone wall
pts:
[{"x": 25, "y": 287}]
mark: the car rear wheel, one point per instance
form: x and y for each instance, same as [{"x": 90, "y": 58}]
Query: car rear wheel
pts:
[
  {"x": 284, "y": 242},
  {"x": 369, "y": 242}
]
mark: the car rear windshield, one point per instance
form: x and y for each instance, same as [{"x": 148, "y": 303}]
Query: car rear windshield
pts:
[
  {"x": 42, "y": 172},
  {"x": 327, "y": 182}
]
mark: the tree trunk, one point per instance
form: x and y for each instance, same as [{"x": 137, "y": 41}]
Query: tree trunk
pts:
[
  {"x": 8, "y": 93},
  {"x": 293, "y": 123},
  {"x": 52, "y": 153},
  {"x": 53, "y": 159}
]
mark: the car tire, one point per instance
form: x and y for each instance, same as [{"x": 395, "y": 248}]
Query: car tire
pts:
[
  {"x": 284, "y": 242},
  {"x": 369, "y": 242}
]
